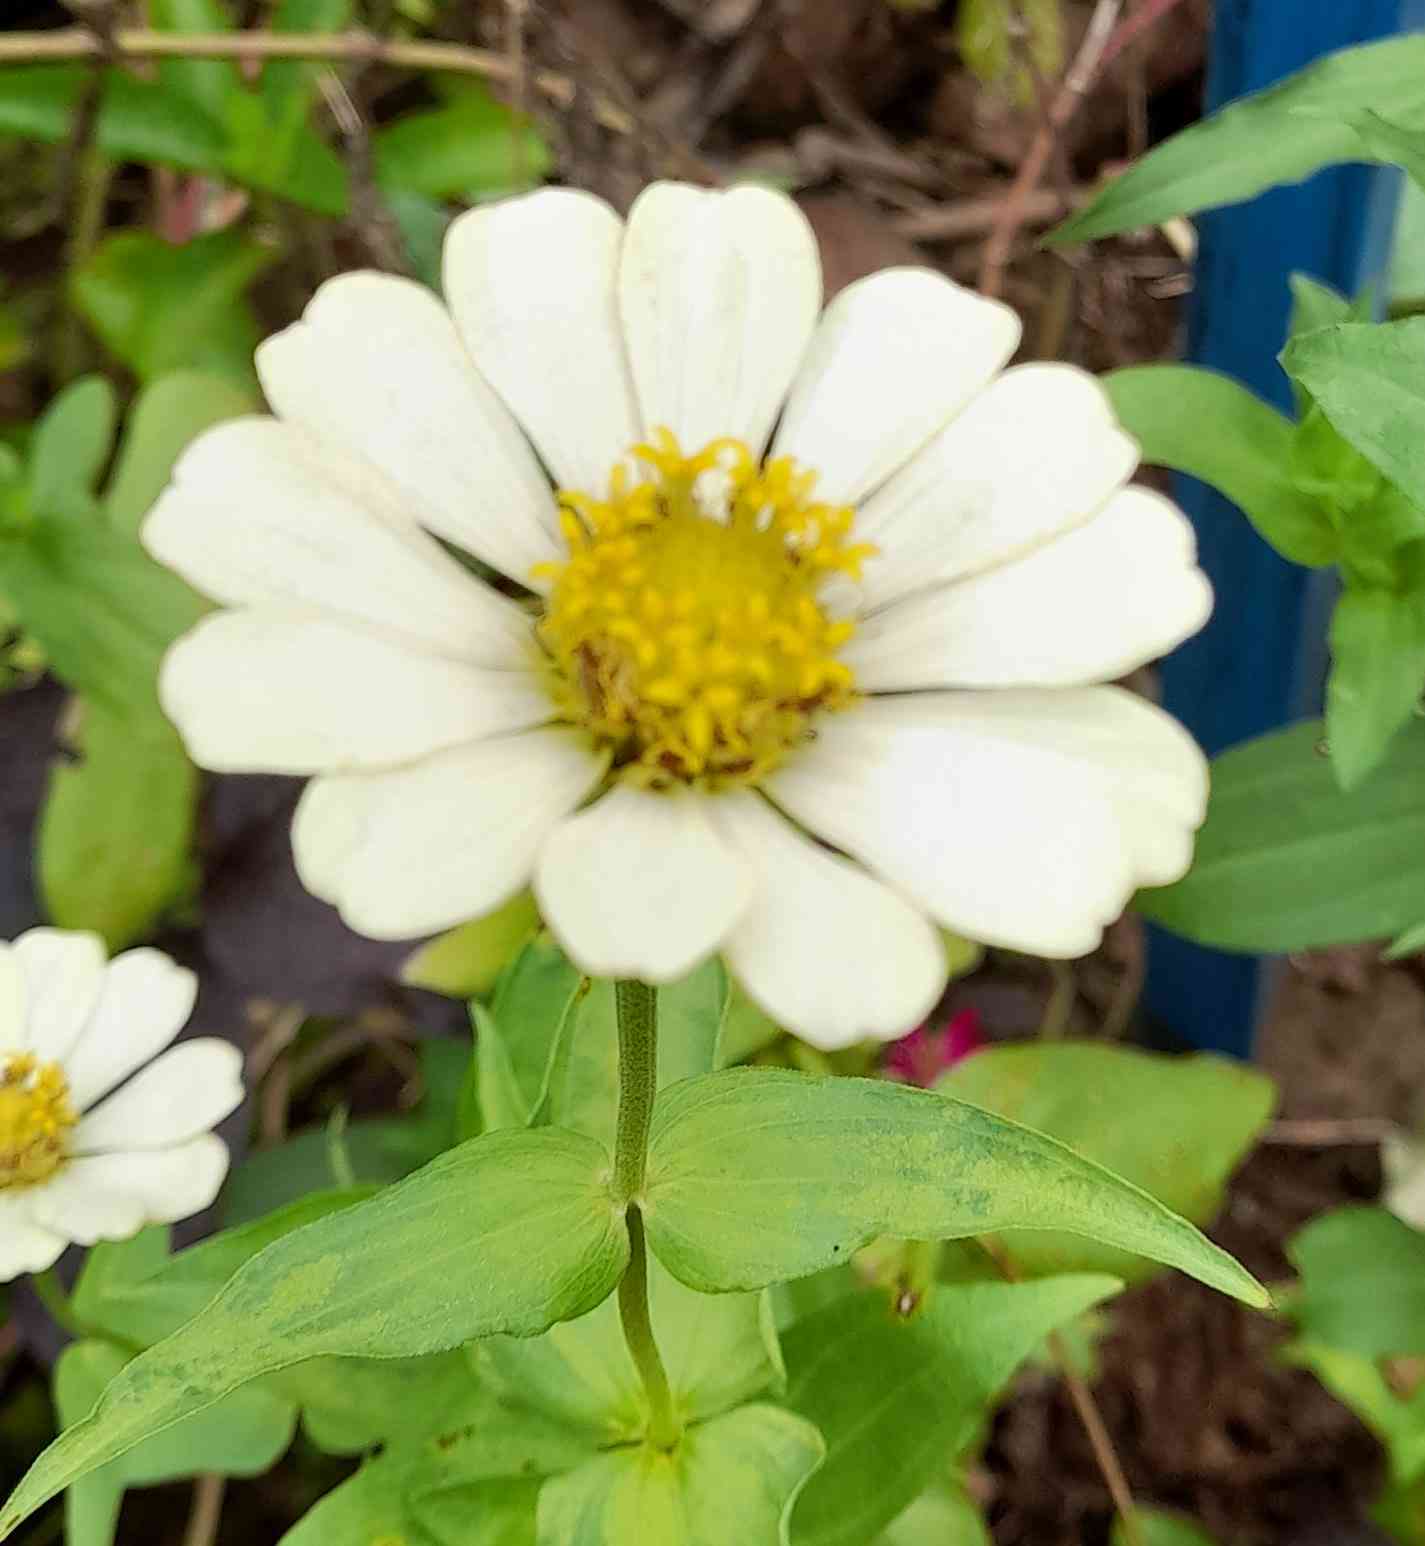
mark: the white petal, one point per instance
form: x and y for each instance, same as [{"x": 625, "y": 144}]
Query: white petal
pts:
[
  {"x": 376, "y": 366},
  {"x": 719, "y": 293},
  {"x": 641, "y": 885},
  {"x": 261, "y": 514},
  {"x": 63, "y": 973},
  {"x": 144, "y": 1002},
  {"x": 186, "y": 1092},
  {"x": 1006, "y": 842},
  {"x": 1093, "y": 605},
  {"x": 533, "y": 285},
  {"x": 896, "y": 356},
  {"x": 1034, "y": 455},
  {"x": 419, "y": 849},
  {"x": 283, "y": 692},
  {"x": 1150, "y": 767},
  {"x": 13, "y": 1037},
  {"x": 826, "y": 950},
  {"x": 25, "y": 1246},
  {"x": 113, "y": 1196}
]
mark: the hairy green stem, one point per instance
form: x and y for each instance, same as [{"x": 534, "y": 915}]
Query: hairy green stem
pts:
[{"x": 638, "y": 1084}]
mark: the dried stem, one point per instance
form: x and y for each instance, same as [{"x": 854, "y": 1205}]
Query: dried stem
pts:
[
  {"x": 207, "y": 1511},
  {"x": 1077, "y": 80},
  {"x": 1100, "y": 1442},
  {"x": 355, "y": 47},
  {"x": 1105, "y": 1455},
  {"x": 1330, "y": 1132}
]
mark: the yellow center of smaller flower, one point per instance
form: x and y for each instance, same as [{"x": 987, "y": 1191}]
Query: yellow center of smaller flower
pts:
[
  {"x": 35, "y": 1119},
  {"x": 686, "y": 629}
]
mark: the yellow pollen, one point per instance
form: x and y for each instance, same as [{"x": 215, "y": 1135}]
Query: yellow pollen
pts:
[
  {"x": 35, "y": 1119},
  {"x": 686, "y": 629}
]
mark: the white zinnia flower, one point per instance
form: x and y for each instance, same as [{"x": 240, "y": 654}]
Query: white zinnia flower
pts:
[
  {"x": 792, "y": 710},
  {"x": 73, "y": 1165}
]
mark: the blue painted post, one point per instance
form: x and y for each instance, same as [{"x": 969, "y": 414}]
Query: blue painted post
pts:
[{"x": 1260, "y": 661}]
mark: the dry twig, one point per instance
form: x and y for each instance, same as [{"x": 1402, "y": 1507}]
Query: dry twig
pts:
[
  {"x": 356, "y": 47},
  {"x": 1077, "y": 80}
]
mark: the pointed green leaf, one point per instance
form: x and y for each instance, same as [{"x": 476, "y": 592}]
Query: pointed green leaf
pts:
[
  {"x": 470, "y": 147},
  {"x": 161, "y": 307},
  {"x": 1357, "y": 1382},
  {"x": 894, "y": 1395},
  {"x": 71, "y": 443},
  {"x": 1287, "y": 861},
  {"x": 1377, "y": 676},
  {"x": 166, "y": 416},
  {"x": 508, "y": 1233},
  {"x": 1208, "y": 425},
  {"x": 116, "y": 827},
  {"x": 1176, "y": 1126},
  {"x": 1369, "y": 380},
  {"x": 733, "y": 1479},
  {"x": 759, "y": 1175},
  {"x": 1275, "y": 136},
  {"x": 1362, "y": 1282}
]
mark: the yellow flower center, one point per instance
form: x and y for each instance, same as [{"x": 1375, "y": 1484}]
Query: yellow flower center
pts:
[
  {"x": 35, "y": 1119},
  {"x": 686, "y": 630}
]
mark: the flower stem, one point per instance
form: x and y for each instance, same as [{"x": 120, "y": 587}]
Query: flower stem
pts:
[
  {"x": 55, "y": 1298},
  {"x": 638, "y": 1084}
]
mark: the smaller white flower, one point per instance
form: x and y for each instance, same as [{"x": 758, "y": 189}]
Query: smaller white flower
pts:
[{"x": 75, "y": 1166}]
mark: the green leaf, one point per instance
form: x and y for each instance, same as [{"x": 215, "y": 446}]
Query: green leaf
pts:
[
  {"x": 548, "y": 1046},
  {"x": 1362, "y": 1283},
  {"x": 893, "y": 1396},
  {"x": 1276, "y": 136},
  {"x": 983, "y": 35},
  {"x": 475, "y": 1484},
  {"x": 205, "y": 83},
  {"x": 138, "y": 120},
  {"x": 71, "y": 444},
  {"x": 1287, "y": 861},
  {"x": 759, "y": 1175},
  {"x": 1377, "y": 676},
  {"x": 719, "y": 1350},
  {"x": 243, "y": 1435},
  {"x": 466, "y": 962},
  {"x": 116, "y": 827},
  {"x": 1156, "y": 1528},
  {"x": 1358, "y": 1383},
  {"x": 1369, "y": 380},
  {"x": 1205, "y": 424},
  {"x": 469, "y": 148},
  {"x": 102, "y": 609},
  {"x": 133, "y": 1291},
  {"x": 1316, "y": 305},
  {"x": 161, "y": 307},
  {"x": 1409, "y": 942},
  {"x": 168, "y": 414},
  {"x": 941, "y": 1516},
  {"x": 352, "y": 1404},
  {"x": 733, "y": 1479},
  {"x": 433, "y": 1262},
  {"x": 1392, "y": 143},
  {"x": 1176, "y": 1126}
]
